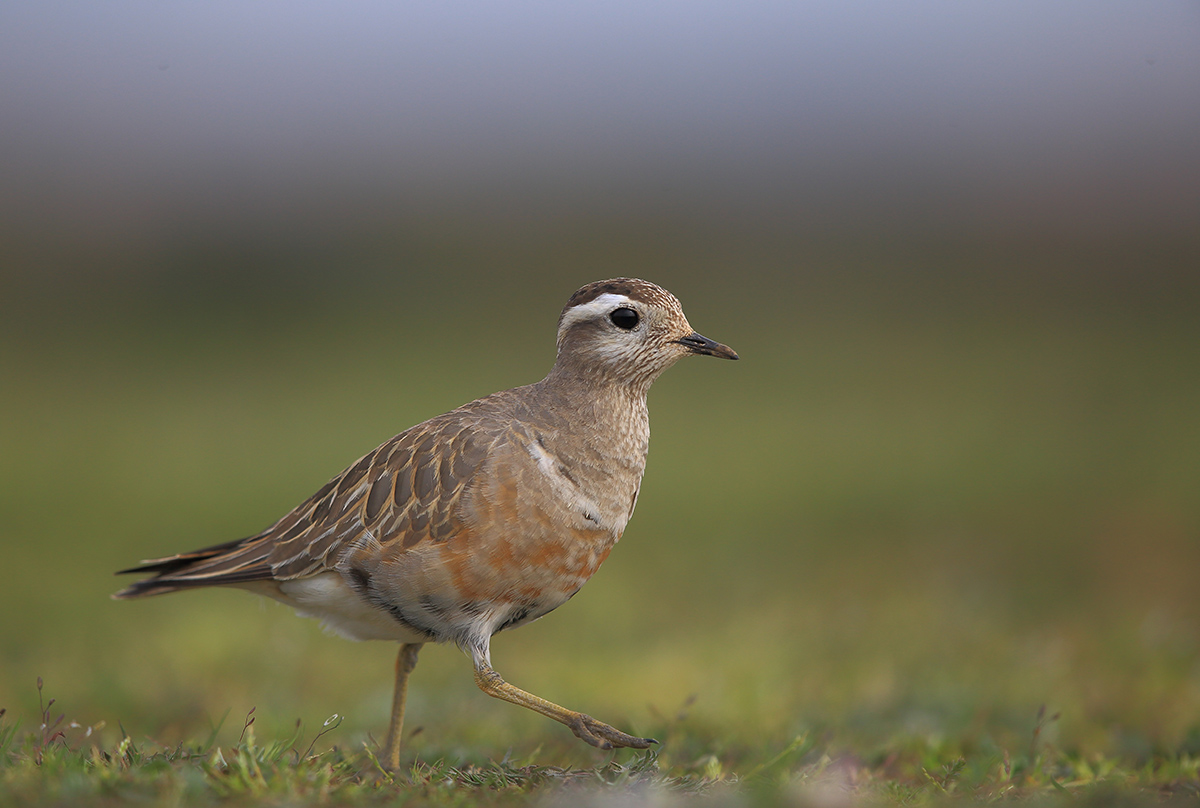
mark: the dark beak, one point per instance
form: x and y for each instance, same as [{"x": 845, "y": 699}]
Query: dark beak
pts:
[{"x": 698, "y": 344}]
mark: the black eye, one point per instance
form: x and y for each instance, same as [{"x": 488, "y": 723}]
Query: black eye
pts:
[{"x": 624, "y": 318}]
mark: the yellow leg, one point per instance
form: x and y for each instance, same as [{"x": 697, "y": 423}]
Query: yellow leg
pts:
[
  {"x": 586, "y": 728},
  {"x": 406, "y": 660}
]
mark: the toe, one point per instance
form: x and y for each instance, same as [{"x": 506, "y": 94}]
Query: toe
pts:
[
  {"x": 582, "y": 725},
  {"x": 603, "y": 736}
]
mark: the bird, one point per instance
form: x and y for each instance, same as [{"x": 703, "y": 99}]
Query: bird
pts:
[{"x": 479, "y": 520}]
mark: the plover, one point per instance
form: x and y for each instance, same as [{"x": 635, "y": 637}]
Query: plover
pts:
[{"x": 481, "y": 519}]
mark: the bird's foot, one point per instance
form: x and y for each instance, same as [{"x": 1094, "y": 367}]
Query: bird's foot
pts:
[{"x": 602, "y": 736}]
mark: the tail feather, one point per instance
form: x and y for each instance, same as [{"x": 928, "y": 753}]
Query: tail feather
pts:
[{"x": 233, "y": 562}]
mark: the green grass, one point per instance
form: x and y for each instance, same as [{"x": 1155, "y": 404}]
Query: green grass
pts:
[
  {"x": 64, "y": 763},
  {"x": 906, "y": 551}
]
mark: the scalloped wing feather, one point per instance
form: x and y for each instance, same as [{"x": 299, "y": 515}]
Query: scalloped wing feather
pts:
[{"x": 405, "y": 492}]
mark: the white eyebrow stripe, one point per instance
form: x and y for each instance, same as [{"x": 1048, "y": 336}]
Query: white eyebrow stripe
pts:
[{"x": 587, "y": 311}]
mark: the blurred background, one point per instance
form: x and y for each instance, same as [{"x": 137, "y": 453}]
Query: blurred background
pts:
[{"x": 954, "y": 477}]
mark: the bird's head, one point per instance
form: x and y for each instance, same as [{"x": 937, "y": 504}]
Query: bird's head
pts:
[{"x": 628, "y": 330}]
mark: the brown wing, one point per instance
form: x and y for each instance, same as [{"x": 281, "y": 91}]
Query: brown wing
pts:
[{"x": 405, "y": 491}]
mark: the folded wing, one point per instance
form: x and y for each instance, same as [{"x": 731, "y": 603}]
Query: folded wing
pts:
[{"x": 407, "y": 491}]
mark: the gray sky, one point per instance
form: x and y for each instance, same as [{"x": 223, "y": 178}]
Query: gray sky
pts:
[{"x": 1069, "y": 114}]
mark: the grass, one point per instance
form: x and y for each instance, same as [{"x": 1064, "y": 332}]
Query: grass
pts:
[
  {"x": 949, "y": 556},
  {"x": 63, "y": 763}
]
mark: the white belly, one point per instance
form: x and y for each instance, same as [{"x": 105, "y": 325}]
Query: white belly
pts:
[{"x": 327, "y": 597}]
